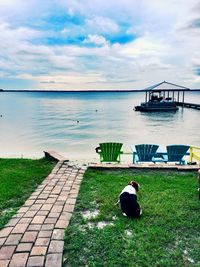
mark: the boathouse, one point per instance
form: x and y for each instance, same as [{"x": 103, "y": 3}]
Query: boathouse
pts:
[{"x": 167, "y": 90}]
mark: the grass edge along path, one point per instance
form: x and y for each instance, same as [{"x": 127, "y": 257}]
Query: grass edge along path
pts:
[
  {"x": 18, "y": 179},
  {"x": 167, "y": 234}
]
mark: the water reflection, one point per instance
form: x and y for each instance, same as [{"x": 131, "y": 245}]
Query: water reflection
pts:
[{"x": 170, "y": 114}]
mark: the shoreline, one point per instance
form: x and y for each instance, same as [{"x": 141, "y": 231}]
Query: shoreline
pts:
[
  {"x": 70, "y": 91},
  {"x": 95, "y": 163}
]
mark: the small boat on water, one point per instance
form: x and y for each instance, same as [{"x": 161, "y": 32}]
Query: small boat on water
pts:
[
  {"x": 157, "y": 104},
  {"x": 161, "y": 97}
]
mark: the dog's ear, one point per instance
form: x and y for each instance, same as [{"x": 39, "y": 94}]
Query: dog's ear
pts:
[{"x": 135, "y": 185}]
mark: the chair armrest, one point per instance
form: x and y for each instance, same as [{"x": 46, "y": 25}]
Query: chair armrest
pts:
[
  {"x": 135, "y": 157},
  {"x": 98, "y": 149},
  {"x": 127, "y": 153},
  {"x": 160, "y": 158}
]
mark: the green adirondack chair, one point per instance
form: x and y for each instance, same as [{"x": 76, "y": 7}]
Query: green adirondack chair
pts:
[{"x": 109, "y": 152}]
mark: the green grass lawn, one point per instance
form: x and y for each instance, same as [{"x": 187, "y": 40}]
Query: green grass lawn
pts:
[
  {"x": 18, "y": 179},
  {"x": 167, "y": 234}
]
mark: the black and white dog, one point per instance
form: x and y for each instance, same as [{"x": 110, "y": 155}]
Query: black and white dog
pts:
[{"x": 128, "y": 200}]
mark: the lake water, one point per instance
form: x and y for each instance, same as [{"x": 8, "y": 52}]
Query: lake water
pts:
[{"x": 75, "y": 123}]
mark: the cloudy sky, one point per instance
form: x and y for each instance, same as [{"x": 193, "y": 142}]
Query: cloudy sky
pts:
[{"x": 99, "y": 44}]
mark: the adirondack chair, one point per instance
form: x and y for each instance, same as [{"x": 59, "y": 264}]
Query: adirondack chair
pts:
[
  {"x": 109, "y": 152},
  {"x": 144, "y": 152},
  {"x": 175, "y": 153}
]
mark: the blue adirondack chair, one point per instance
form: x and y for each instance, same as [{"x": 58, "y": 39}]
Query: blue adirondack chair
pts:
[
  {"x": 176, "y": 153},
  {"x": 109, "y": 152},
  {"x": 144, "y": 152}
]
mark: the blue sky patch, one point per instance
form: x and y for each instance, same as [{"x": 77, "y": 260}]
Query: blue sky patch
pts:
[
  {"x": 122, "y": 38},
  {"x": 77, "y": 40},
  {"x": 63, "y": 20},
  {"x": 56, "y": 21}
]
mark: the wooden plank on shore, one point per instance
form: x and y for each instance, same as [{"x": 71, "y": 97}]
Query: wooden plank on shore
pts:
[
  {"x": 53, "y": 155},
  {"x": 145, "y": 166}
]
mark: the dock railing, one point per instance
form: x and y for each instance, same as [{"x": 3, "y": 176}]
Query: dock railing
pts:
[{"x": 194, "y": 153}]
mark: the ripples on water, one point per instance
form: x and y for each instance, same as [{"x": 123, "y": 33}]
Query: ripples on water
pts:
[{"x": 74, "y": 123}]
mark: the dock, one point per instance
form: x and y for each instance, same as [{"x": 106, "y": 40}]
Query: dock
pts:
[{"x": 188, "y": 105}]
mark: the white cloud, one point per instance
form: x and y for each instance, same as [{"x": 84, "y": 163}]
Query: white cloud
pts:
[
  {"x": 70, "y": 11},
  {"x": 60, "y": 81},
  {"x": 95, "y": 39},
  {"x": 102, "y": 24}
]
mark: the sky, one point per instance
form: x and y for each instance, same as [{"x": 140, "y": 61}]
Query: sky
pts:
[{"x": 98, "y": 44}]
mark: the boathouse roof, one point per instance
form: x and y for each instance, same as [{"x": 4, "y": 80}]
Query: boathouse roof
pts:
[{"x": 166, "y": 86}]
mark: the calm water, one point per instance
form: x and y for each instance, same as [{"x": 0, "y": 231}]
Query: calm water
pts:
[{"x": 33, "y": 122}]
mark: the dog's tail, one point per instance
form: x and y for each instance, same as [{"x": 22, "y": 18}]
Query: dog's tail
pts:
[{"x": 117, "y": 203}]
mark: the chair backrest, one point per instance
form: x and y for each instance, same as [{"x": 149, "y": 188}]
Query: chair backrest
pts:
[
  {"x": 145, "y": 152},
  {"x": 176, "y": 152},
  {"x": 110, "y": 152}
]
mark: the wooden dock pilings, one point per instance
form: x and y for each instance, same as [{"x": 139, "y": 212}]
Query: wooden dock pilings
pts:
[{"x": 188, "y": 105}]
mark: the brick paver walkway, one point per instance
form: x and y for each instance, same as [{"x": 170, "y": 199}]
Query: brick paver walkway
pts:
[{"x": 34, "y": 236}]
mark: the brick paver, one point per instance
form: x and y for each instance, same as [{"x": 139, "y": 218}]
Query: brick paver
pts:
[
  {"x": 13, "y": 239},
  {"x": 35, "y": 235},
  {"x": 19, "y": 260}
]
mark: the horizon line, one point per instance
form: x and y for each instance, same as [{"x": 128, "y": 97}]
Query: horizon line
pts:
[{"x": 71, "y": 91}]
